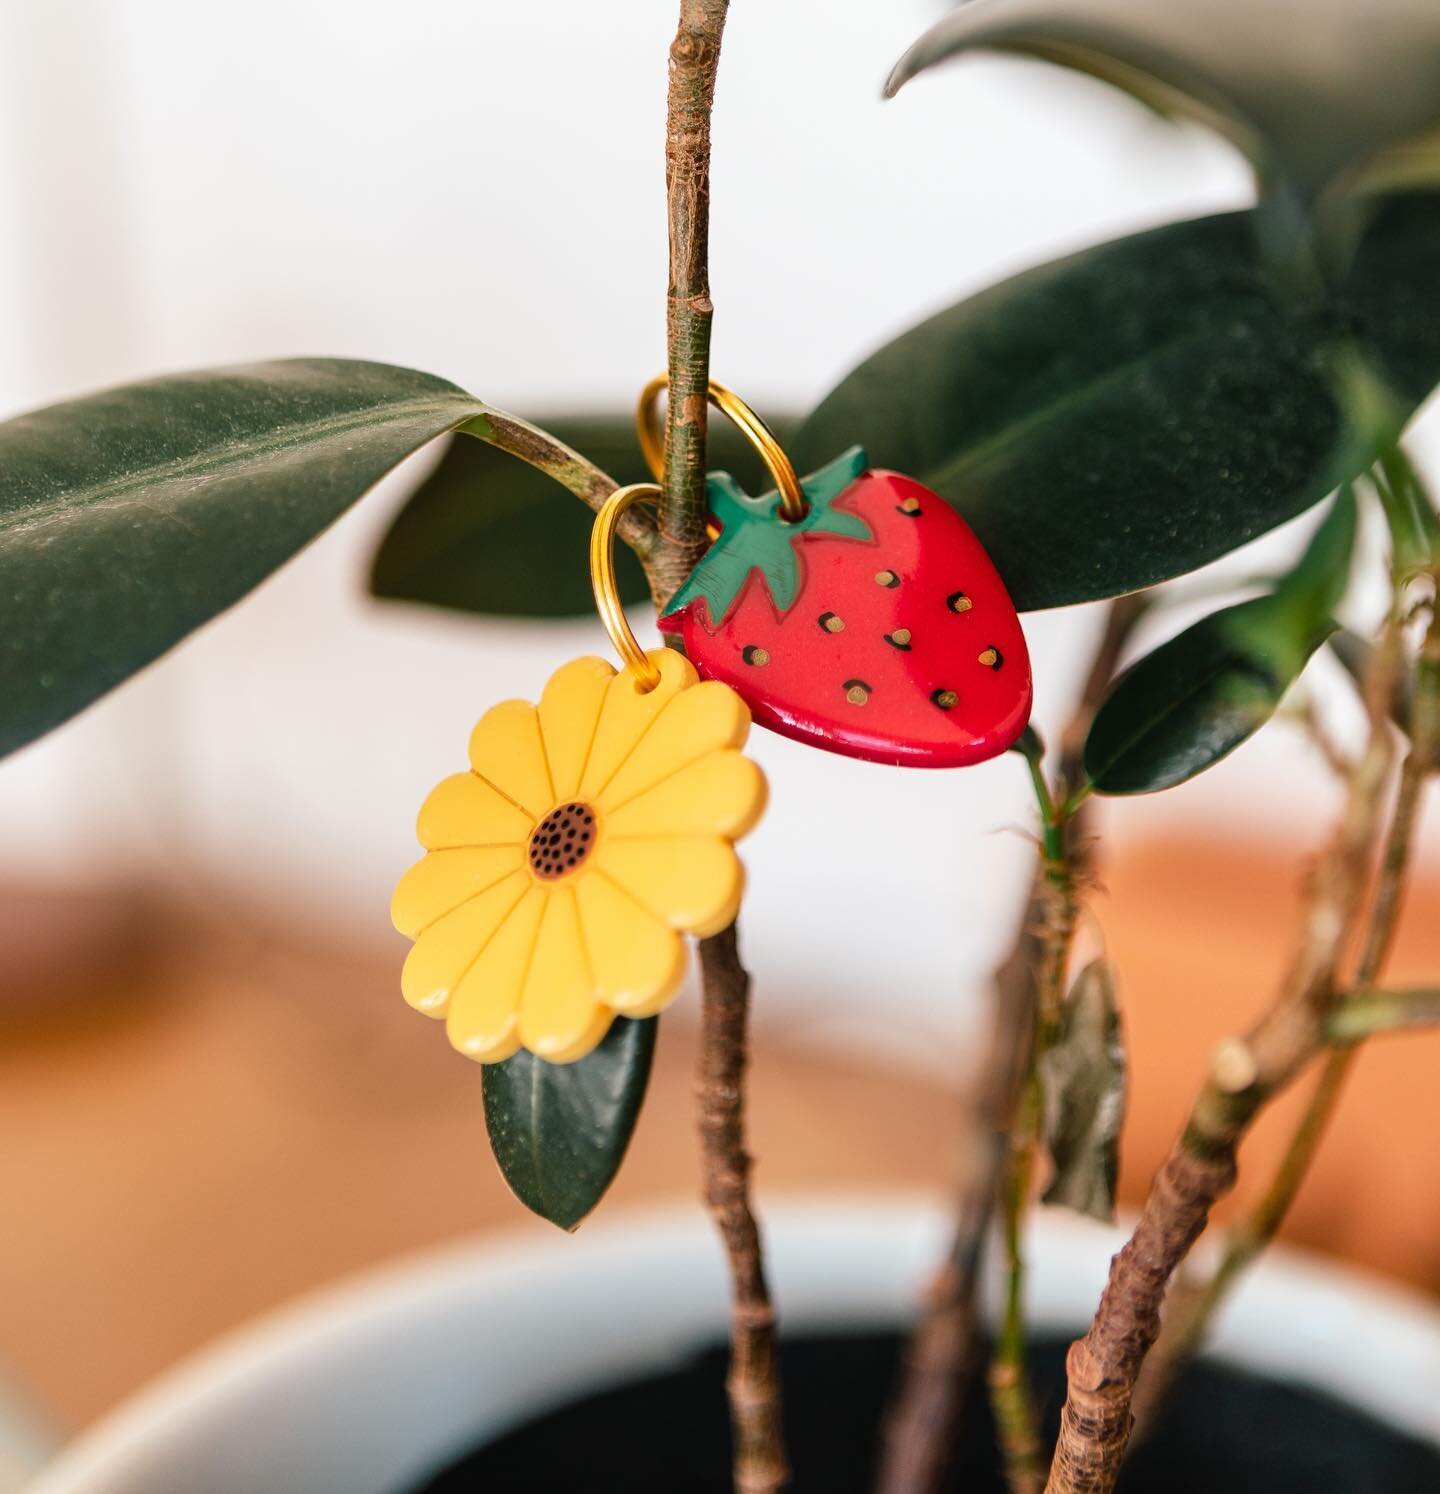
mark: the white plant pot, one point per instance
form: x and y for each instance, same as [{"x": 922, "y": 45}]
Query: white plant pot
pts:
[{"x": 366, "y": 1387}]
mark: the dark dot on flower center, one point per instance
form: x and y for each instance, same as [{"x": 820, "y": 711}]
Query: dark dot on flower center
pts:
[{"x": 561, "y": 841}]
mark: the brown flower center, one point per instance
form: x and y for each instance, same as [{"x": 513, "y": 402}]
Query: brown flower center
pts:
[{"x": 561, "y": 841}]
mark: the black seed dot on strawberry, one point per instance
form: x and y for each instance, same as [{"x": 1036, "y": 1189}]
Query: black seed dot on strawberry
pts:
[
  {"x": 886, "y": 578},
  {"x": 945, "y": 699},
  {"x": 900, "y": 639},
  {"x": 831, "y": 623},
  {"x": 991, "y": 658},
  {"x": 753, "y": 654},
  {"x": 957, "y": 601},
  {"x": 910, "y": 507},
  {"x": 857, "y": 692}
]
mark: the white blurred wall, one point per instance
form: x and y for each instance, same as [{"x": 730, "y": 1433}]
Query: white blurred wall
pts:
[{"x": 475, "y": 188}]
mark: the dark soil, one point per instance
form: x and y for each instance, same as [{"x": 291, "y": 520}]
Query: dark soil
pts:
[{"x": 1226, "y": 1433}]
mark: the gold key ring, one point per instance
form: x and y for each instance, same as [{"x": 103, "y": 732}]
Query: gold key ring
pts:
[
  {"x": 793, "y": 506},
  {"x": 602, "y": 581}
]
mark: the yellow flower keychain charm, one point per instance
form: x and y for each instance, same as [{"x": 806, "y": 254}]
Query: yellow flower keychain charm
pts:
[{"x": 591, "y": 832}]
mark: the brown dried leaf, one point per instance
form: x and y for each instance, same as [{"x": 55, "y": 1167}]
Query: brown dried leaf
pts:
[{"x": 1085, "y": 1083}]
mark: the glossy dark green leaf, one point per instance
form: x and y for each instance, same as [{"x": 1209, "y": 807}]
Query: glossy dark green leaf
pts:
[
  {"x": 485, "y": 533},
  {"x": 130, "y": 517},
  {"x": 1085, "y": 1083},
  {"x": 1196, "y": 698},
  {"x": 559, "y": 1131},
  {"x": 1314, "y": 91},
  {"x": 1409, "y": 514},
  {"x": 1134, "y": 411}
]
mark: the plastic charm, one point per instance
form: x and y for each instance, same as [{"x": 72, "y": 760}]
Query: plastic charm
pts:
[
  {"x": 591, "y": 831},
  {"x": 875, "y": 625}
]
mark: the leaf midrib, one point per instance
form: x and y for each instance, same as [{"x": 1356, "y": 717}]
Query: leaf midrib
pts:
[
  {"x": 1150, "y": 722},
  {"x": 1014, "y": 430},
  {"x": 289, "y": 437}
]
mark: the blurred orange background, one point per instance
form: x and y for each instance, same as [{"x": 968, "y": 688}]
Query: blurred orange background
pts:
[{"x": 201, "y": 1124}]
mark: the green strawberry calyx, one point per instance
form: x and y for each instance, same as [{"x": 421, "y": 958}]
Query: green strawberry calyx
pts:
[{"x": 753, "y": 537}]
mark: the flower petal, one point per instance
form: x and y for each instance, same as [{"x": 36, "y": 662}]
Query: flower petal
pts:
[
  {"x": 442, "y": 880},
  {"x": 628, "y": 713},
  {"x": 723, "y": 793},
  {"x": 443, "y": 953},
  {"x": 481, "y": 1021},
  {"x": 463, "y": 810},
  {"x": 569, "y": 715},
  {"x": 507, "y": 751},
  {"x": 692, "y": 882},
  {"x": 638, "y": 962},
  {"x": 699, "y": 720},
  {"x": 560, "y": 1018}
]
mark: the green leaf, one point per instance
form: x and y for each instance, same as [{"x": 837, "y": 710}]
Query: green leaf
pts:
[
  {"x": 1132, "y": 412},
  {"x": 486, "y": 533},
  {"x": 1315, "y": 92},
  {"x": 753, "y": 538},
  {"x": 130, "y": 517},
  {"x": 1196, "y": 698},
  {"x": 1084, "y": 1079},
  {"x": 559, "y": 1131},
  {"x": 1409, "y": 513},
  {"x": 1306, "y": 596}
]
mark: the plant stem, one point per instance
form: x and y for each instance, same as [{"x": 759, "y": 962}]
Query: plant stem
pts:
[
  {"x": 1017, "y": 1422},
  {"x": 1189, "y": 1319},
  {"x": 1008, "y": 1379},
  {"x": 944, "y": 1351},
  {"x": 1369, "y": 1013},
  {"x": 753, "y": 1382},
  {"x": 694, "y": 59},
  {"x": 943, "y": 1354},
  {"x": 1103, "y": 1367},
  {"x": 568, "y": 467}
]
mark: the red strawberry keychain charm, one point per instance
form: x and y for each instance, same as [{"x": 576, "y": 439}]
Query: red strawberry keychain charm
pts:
[{"x": 854, "y": 610}]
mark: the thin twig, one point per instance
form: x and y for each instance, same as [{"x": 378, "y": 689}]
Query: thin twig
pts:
[
  {"x": 944, "y": 1351},
  {"x": 1311, "y": 721},
  {"x": 1370, "y": 1013},
  {"x": 1102, "y": 1368},
  {"x": 694, "y": 59},
  {"x": 753, "y": 1382},
  {"x": 1016, "y": 1418}
]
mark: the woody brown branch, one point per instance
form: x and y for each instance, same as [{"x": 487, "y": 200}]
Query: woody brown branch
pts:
[
  {"x": 753, "y": 1382},
  {"x": 1102, "y": 1368},
  {"x": 944, "y": 1352}
]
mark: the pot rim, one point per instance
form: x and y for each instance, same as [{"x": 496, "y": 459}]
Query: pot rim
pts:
[{"x": 362, "y": 1386}]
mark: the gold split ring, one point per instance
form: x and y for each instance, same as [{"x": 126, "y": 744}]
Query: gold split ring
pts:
[
  {"x": 602, "y": 580},
  {"x": 652, "y": 441}
]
